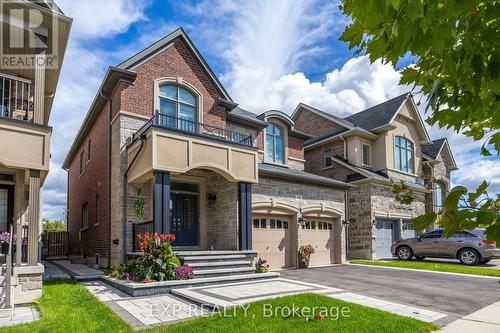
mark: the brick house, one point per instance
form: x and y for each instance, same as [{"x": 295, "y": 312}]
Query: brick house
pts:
[
  {"x": 164, "y": 148},
  {"x": 371, "y": 149}
]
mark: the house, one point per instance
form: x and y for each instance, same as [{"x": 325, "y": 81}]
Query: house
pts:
[
  {"x": 28, "y": 81},
  {"x": 372, "y": 149},
  {"x": 165, "y": 149}
]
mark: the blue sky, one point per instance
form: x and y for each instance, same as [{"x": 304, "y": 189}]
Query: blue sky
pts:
[{"x": 268, "y": 54}]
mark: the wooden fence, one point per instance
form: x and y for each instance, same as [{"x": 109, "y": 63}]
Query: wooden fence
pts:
[{"x": 56, "y": 243}]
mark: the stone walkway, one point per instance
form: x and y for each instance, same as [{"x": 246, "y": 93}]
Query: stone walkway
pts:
[
  {"x": 21, "y": 315},
  {"x": 143, "y": 312},
  {"x": 53, "y": 272},
  {"x": 78, "y": 271}
]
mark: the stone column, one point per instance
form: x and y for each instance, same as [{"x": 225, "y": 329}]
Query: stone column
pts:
[{"x": 34, "y": 217}]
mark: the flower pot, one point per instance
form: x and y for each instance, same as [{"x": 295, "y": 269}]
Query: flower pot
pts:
[{"x": 304, "y": 261}]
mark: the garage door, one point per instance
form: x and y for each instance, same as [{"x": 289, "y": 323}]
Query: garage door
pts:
[
  {"x": 385, "y": 237},
  {"x": 320, "y": 235},
  {"x": 408, "y": 231},
  {"x": 272, "y": 239}
]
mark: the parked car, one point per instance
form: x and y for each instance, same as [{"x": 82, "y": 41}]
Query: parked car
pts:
[{"x": 470, "y": 247}]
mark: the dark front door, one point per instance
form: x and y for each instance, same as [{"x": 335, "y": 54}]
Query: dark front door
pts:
[
  {"x": 185, "y": 219},
  {"x": 6, "y": 207}
]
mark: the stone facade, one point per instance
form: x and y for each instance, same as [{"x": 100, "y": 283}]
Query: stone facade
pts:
[{"x": 27, "y": 283}]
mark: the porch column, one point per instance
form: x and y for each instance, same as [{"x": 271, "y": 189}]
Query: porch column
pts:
[
  {"x": 245, "y": 216},
  {"x": 161, "y": 203},
  {"x": 34, "y": 216},
  {"x": 39, "y": 95}
]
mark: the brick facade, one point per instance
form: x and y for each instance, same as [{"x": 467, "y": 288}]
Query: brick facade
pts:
[
  {"x": 315, "y": 159},
  {"x": 314, "y": 124}
]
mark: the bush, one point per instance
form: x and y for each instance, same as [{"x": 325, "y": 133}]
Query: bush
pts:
[{"x": 184, "y": 272}]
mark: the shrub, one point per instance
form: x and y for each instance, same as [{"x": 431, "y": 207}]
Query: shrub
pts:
[
  {"x": 184, "y": 272},
  {"x": 260, "y": 266}
]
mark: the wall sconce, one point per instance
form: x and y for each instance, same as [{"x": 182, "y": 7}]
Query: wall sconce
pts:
[
  {"x": 302, "y": 221},
  {"x": 211, "y": 198},
  {"x": 345, "y": 223}
]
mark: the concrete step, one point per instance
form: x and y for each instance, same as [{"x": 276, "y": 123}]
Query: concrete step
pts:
[
  {"x": 220, "y": 264},
  {"x": 212, "y": 258},
  {"x": 222, "y": 272},
  {"x": 248, "y": 253}
]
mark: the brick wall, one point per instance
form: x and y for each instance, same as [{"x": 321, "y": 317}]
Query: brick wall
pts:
[
  {"x": 84, "y": 188},
  {"x": 315, "y": 159},
  {"x": 314, "y": 124}
]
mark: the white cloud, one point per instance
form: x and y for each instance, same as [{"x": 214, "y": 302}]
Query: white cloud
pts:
[{"x": 98, "y": 18}]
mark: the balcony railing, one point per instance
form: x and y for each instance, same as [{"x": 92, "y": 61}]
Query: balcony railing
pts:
[
  {"x": 196, "y": 128},
  {"x": 17, "y": 97}
]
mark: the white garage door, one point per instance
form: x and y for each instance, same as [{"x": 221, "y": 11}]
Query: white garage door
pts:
[
  {"x": 408, "y": 231},
  {"x": 272, "y": 239},
  {"x": 384, "y": 238},
  {"x": 319, "y": 233}
]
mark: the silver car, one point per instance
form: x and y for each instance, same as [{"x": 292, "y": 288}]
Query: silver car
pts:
[{"x": 470, "y": 247}]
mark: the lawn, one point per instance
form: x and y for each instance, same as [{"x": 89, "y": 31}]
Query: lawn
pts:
[
  {"x": 429, "y": 266},
  {"x": 67, "y": 306}
]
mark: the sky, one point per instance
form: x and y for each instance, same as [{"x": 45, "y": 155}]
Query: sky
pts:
[{"x": 268, "y": 55}]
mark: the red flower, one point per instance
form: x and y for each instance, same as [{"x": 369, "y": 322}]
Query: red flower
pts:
[
  {"x": 167, "y": 237},
  {"x": 320, "y": 317},
  {"x": 162, "y": 236},
  {"x": 172, "y": 237},
  {"x": 155, "y": 236}
]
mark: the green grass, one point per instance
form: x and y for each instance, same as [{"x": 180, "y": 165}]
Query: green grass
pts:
[
  {"x": 68, "y": 307},
  {"x": 429, "y": 266}
]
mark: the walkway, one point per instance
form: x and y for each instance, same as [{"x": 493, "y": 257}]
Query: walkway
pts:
[
  {"x": 486, "y": 320},
  {"x": 78, "y": 271}
]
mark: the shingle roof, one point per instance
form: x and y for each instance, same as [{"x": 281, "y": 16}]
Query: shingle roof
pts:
[
  {"x": 299, "y": 176},
  {"x": 433, "y": 149},
  {"x": 247, "y": 115},
  {"x": 378, "y": 115}
]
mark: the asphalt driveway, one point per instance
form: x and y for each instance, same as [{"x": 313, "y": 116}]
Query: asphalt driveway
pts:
[{"x": 454, "y": 295}]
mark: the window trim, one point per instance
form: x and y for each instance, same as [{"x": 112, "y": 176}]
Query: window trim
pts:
[
  {"x": 363, "y": 145},
  {"x": 400, "y": 148},
  {"x": 325, "y": 165},
  {"x": 85, "y": 209},
  {"x": 179, "y": 82},
  {"x": 284, "y": 134}
]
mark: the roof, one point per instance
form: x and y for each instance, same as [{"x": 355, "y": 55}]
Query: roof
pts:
[
  {"x": 277, "y": 114},
  {"x": 47, "y": 4},
  {"x": 433, "y": 149},
  {"x": 246, "y": 115},
  {"x": 155, "y": 48},
  {"x": 326, "y": 136},
  {"x": 378, "y": 115},
  {"x": 324, "y": 114},
  {"x": 299, "y": 176}
]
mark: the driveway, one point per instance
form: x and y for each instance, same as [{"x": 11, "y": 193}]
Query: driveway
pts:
[{"x": 452, "y": 294}]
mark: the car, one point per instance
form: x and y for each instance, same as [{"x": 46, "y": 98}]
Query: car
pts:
[{"x": 470, "y": 247}]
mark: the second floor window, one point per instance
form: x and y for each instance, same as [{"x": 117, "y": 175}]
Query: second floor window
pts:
[
  {"x": 178, "y": 107},
  {"x": 327, "y": 158},
  {"x": 82, "y": 161},
  {"x": 366, "y": 155},
  {"x": 404, "y": 155},
  {"x": 274, "y": 144}
]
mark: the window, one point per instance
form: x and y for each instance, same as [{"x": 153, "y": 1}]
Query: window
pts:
[
  {"x": 439, "y": 197},
  {"x": 366, "y": 155},
  {"x": 82, "y": 161},
  {"x": 274, "y": 144},
  {"x": 433, "y": 234},
  {"x": 463, "y": 234},
  {"x": 85, "y": 216},
  {"x": 327, "y": 158},
  {"x": 177, "y": 108},
  {"x": 256, "y": 223},
  {"x": 88, "y": 151},
  {"x": 403, "y": 154}
]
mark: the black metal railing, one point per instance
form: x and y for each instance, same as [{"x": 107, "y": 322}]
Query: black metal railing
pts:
[
  {"x": 196, "y": 128},
  {"x": 140, "y": 227},
  {"x": 16, "y": 98}
]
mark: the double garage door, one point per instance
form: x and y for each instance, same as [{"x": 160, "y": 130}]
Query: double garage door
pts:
[
  {"x": 273, "y": 239},
  {"x": 388, "y": 231}
]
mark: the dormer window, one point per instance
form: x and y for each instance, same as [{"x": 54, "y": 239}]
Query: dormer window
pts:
[
  {"x": 366, "y": 155},
  {"x": 404, "y": 155},
  {"x": 274, "y": 146},
  {"x": 177, "y": 107}
]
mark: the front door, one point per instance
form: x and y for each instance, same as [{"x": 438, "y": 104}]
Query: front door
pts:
[
  {"x": 6, "y": 207},
  {"x": 185, "y": 219}
]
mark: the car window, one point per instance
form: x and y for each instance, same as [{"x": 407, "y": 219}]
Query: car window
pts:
[
  {"x": 433, "y": 234},
  {"x": 463, "y": 234}
]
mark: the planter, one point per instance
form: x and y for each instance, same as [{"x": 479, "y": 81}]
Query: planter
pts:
[{"x": 304, "y": 261}]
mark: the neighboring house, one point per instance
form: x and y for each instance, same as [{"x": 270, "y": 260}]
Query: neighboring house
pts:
[
  {"x": 371, "y": 149},
  {"x": 27, "y": 88},
  {"x": 163, "y": 130}
]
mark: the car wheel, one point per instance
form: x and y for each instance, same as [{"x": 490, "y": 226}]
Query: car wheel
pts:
[
  {"x": 469, "y": 257},
  {"x": 404, "y": 253},
  {"x": 419, "y": 258}
]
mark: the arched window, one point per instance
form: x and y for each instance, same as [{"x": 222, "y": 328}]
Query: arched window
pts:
[
  {"x": 177, "y": 107},
  {"x": 404, "y": 155},
  {"x": 275, "y": 148}
]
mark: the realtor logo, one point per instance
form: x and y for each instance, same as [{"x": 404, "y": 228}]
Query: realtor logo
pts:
[{"x": 28, "y": 31}]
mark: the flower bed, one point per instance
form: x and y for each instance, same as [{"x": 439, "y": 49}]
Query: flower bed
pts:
[{"x": 156, "y": 263}]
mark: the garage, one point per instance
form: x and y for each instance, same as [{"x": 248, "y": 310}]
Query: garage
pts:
[
  {"x": 272, "y": 239},
  {"x": 385, "y": 236},
  {"x": 319, "y": 233},
  {"x": 408, "y": 231}
]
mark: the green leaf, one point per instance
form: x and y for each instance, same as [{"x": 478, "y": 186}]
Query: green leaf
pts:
[
  {"x": 451, "y": 201},
  {"x": 479, "y": 191},
  {"x": 423, "y": 221}
]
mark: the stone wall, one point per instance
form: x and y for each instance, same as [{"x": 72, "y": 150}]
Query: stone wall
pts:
[{"x": 27, "y": 283}]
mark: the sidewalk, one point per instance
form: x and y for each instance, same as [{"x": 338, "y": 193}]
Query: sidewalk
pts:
[{"x": 486, "y": 320}]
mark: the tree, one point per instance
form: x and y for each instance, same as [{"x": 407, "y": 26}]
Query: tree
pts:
[
  {"x": 55, "y": 225},
  {"x": 456, "y": 45}
]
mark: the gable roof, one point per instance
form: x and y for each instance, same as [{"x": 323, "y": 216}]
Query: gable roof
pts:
[
  {"x": 433, "y": 150},
  {"x": 139, "y": 58},
  {"x": 378, "y": 115},
  {"x": 303, "y": 106}
]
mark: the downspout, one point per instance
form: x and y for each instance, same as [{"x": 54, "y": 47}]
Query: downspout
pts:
[
  {"x": 124, "y": 204},
  {"x": 345, "y": 146},
  {"x": 109, "y": 173}
]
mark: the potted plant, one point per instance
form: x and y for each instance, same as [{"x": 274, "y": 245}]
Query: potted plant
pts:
[
  {"x": 261, "y": 266},
  {"x": 305, "y": 252},
  {"x": 139, "y": 207}
]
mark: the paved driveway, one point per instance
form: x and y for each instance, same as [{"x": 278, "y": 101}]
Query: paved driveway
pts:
[{"x": 452, "y": 294}]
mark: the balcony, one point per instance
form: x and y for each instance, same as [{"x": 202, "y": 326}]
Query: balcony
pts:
[
  {"x": 17, "y": 96},
  {"x": 178, "y": 145}
]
